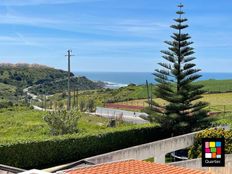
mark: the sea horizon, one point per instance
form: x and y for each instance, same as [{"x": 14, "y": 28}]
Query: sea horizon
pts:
[{"x": 119, "y": 79}]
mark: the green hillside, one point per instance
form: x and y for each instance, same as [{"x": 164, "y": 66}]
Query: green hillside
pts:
[
  {"x": 133, "y": 92},
  {"x": 44, "y": 80},
  {"x": 7, "y": 95},
  {"x": 82, "y": 83},
  {"x": 23, "y": 75},
  {"x": 139, "y": 92},
  {"x": 216, "y": 86},
  {"x": 6, "y": 90}
]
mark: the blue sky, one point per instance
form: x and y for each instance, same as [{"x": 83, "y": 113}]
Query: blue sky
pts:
[{"x": 112, "y": 35}]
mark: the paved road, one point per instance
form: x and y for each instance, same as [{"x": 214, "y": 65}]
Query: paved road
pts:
[
  {"x": 127, "y": 116},
  {"x": 41, "y": 109},
  {"x": 33, "y": 96}
]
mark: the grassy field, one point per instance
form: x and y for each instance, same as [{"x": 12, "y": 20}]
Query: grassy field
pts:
[
  {"x": 132, "y": 93},
  {"x": 224, "y": 119},
  {"x": 217, "y": 102},
  {"x": 25, "y": 124},
  {"x": 216, "y": 86},
  {"x": 106, "y": 95},
  {"x": 21, "y": 123}
]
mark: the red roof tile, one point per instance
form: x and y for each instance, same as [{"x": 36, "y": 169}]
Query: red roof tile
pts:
[{"x": 134, "y": 167}]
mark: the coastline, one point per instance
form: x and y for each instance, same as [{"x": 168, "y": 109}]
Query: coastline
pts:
[{"x": 121, "y": 79}]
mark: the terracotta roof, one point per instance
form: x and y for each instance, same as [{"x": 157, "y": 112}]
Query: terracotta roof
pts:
[{"x": 134, "y": 167}]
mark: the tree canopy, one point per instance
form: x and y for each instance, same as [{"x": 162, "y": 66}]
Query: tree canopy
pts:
[{"x": 183, "y": 111}]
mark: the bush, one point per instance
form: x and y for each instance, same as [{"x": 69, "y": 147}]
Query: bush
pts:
[
  {"x": 69, "y": 148},
  {"x": 131, "y": 84},
  {"x": 5, "y": 104},
  {"x": 112, "y": 123},
  {"x": 62, "y": 122},
  {"x": 82, "y": 105},
  {"x": 195, "y": 150},
  {"x": 90, "y": 105}
]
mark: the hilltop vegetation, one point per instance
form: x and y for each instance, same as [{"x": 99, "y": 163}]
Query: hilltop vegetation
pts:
[
  {"x": 52, "y": 87},
  {"x": 15, "y": 77},
  {"x": 7, "y": 95},
  {"x": 23, "y": 75},
  {"x": 6, "y": 90}
]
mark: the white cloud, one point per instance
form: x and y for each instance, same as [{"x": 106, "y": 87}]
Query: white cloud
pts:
[
  {"x": 20, "y": 39},
  {"x": 114, "y": 26},
  {"x": 94, "y": 25},
  {"x": 40, "y": 2},
  {"x": 25, "y": 20}
]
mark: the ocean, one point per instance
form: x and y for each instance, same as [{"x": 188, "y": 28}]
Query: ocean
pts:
[{"x": 119, "y": 79}]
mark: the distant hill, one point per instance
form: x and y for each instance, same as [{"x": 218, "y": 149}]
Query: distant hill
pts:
[
  {"x": 16, "y": 77},
  {"x": 24, "y": 75},
  {"x": 80, "y": 83}
]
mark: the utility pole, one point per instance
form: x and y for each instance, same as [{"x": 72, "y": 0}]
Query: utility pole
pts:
[
  {"x": 45, "y": 102},
  {"x": 151, "y": 95},
  {"x": 69, "y": 92},
  {"x": 44, "y": 97},
  {"x": 148, "y": 94},
  {"x": 77, "y": 93},
  {"x": 77, "y": 97},
  {"x": 74, "y": 97}
]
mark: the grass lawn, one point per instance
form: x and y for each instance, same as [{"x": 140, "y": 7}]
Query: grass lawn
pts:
[
  {"x": 21, "y": 123},
  {"x": 26, "y": 124}
]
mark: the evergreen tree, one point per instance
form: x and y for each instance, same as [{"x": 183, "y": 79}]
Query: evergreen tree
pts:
[{"x": 183, "y": 111}]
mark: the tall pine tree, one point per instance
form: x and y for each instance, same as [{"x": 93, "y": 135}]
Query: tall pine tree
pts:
[{"x": 183, "y": 111}]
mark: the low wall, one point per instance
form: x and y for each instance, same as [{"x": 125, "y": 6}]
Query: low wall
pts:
[
  {"x": 9, "y": 170},
  {"x": 156, "y": 149},
  {"x": 109, "y": 111},
  {"x": 127, "y": 116},
  {"x": 196, "y": 164}
]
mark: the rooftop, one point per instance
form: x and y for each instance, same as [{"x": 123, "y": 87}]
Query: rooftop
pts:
[{"x": 134, "y": 167}]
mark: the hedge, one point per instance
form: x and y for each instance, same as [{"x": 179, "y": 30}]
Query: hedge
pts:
[{"x": 60, "y": 150}]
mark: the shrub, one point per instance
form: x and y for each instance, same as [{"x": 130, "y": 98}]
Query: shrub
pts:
[
  {"x": 91, "y": 105},
  {"x": 195, "y": 150},
  {"x": 62, "y": 122},
  {"x": 82, "y": 105},
  {"x": 132, "y": 84},
  {"x": 5, "y": 104},
  {"x": 69, "y": 148},
  {"x": 112, "y": 123}
]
